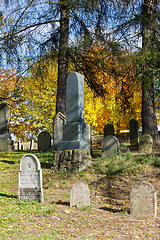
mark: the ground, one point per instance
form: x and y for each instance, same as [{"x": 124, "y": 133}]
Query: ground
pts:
[{"x": 108, "y": 216}]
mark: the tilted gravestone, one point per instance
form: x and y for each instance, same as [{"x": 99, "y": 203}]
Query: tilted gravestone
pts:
[
  {"x": 110, "y": 145},
  {"x": 134, "y": 132},
  {"x": 145, "y": 144},
  {"x": 6, "y": 144},
  {"x": 80, "y": 195},
  {"x": 76, "y": 133},
  {"x": 44, "y": 142},
  {"x": 108, "y": 130},
  {"x": 30, "y": 179},
  {"x": 143, "y": 202},
  {"x": 58, "y": 122}
]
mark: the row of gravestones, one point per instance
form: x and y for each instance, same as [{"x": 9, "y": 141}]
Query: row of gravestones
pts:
[
  {"x": 143, "y": 202},
  {"x": 110, "y": 143}
]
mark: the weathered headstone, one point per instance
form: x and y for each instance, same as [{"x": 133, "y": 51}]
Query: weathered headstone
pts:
[
  {"x": 30, "y": 179},
  {"x": 6, "y": 144},
  {"x": 80, "y": 195},
  {"x": 145, "y": 144},
  {"x": 44, "y": 142},
  {"x": 134, "y": 132},
  {"x": 74, "y": 130},
  {"x": 58, "y": 122},
  {"x": 110, "y": 145},
  {"x": 143, "y": 200},
  {"x": 108, "y": 130}
]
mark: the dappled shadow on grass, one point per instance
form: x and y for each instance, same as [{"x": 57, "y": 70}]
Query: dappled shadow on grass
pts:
[
  {"x": 46, "y": 165},
  {"x": 9, "y": 162},
  {"x": 115, "y": 210},
  {"x": 113, "y": 187},
  {"x": 7, "y": 195},
  {"x": 61, "y": 203}
]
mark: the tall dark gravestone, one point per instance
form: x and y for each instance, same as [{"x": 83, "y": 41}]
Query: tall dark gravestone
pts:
[
  {"x": 74, "y": 130},
  {"x": 73, "y": 153},
  {"x": 6, "y": 144},
  {"x": 134, "y": 132}
]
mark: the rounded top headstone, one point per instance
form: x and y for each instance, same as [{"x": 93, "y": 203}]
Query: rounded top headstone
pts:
[
  {"x": 29, "y": 162},
  {"x": 44, "y": 141}
]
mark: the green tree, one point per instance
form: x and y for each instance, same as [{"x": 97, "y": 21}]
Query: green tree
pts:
[
  {"x": 138, "y": 22},
  {"x": 34, "y": 28}
]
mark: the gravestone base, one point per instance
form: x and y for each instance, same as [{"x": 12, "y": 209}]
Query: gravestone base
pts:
[
  {"x": 68, "y": 145},
  {"x": 6, "y": 144},
  {"x": 71, "y": 160},
  {"x": 30, "y": 194}
]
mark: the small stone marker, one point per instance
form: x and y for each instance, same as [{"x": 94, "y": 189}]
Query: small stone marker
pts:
[
  {"x": 80, "y": 195},
  {"x": 44, "y": 142},
  {"x": 30, "y": 179},
  {"x": 134, "y": 132},
  {"x": 145, "y": 144},
  {"x": 110, "y": 145},
  {"x": 108, "y": 130},
  {"x": 143, "y": 200}
]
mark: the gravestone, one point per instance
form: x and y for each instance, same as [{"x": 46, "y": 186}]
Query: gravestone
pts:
[
  {"x": 143, "y": 200},
  {"x": 6, "y": 144},
  {"x": 145, "y": 144},
  {"x": 108, "y": 130},
  {"x": 30, "y": 179},
  {"x": 73, "y": 153},
  {"x": 74, "y": 130},
  {"x": 80, "y": 195},
  {"x": 134, "y": 132},
  {"x": 58, "y": 122},
  {"x": 44, "y": 142},
  {"x": 110, "y": 145}
]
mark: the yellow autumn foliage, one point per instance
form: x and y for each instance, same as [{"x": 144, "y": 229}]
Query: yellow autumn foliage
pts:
[
  {"x": 36, "y": 109},
  {"x": 122, "y": 93}
]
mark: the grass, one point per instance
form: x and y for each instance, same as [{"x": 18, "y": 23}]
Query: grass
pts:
[
  {"x": 53, "y": 218},
  {"x": 126, "y": 163}
]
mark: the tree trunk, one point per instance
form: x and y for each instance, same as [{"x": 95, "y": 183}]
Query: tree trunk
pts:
[
  {"x": 63, "y": 58},
  {"x": 149, "y": 122}
]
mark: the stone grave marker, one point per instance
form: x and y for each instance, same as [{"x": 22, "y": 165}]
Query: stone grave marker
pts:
[
  {"x": 30, "y": 179},
  {"x": 44, "y": 141},
  {"x": 58, "y": 122},
  {"x": 6, "y": 144},
  {"x": 73, "y": 152},
  {"x": 108, "y": 130},
  {"x": 80, "y": 195},
  {"x": 134, "y": 132},
  {"x": 74, "y": 130},
  {"x": 143, "y": 200},
  {"x": 145, "y": 144},
  {"x": 110, "y": 145}
]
